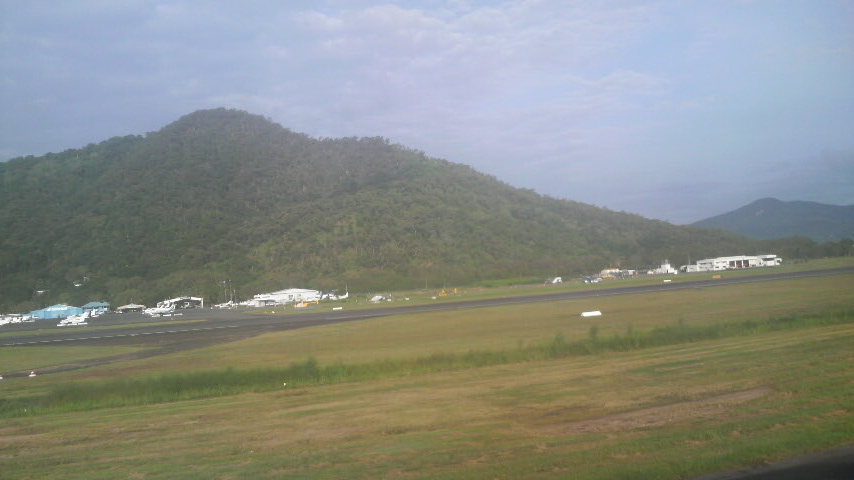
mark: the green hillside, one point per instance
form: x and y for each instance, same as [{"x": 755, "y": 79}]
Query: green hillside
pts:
[
  {"x": 770, "y": 218},
  {"x": 226, "y": 196}
]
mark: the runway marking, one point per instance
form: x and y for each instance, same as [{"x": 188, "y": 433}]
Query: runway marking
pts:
[{"x": 122, "y": 335}]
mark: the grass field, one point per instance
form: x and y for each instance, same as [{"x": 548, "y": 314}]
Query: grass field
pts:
[{"x": 482, "y": 394}]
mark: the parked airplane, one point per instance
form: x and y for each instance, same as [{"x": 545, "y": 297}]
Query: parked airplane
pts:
[
  {"x": 73, "y": 321},
  {"x": 333, "y": 295},
  {"x": 160, "y": 311}
]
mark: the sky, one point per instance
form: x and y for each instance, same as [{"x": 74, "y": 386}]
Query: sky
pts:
[{"x": 674, "y": 110}]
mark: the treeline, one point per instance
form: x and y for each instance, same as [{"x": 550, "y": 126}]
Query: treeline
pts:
[{"x": 222, "y": 201}]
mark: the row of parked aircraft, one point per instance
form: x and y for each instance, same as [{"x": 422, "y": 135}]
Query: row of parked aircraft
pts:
[
  {"x": 78, "y": 320},
  {"x": 16, "y": 318},
  {"x": 82, "y": 319}
]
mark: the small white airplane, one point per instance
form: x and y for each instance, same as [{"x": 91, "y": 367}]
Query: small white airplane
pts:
[
  {"x": 73, "y": 321},
  {"x": 333, "y": 295},
  {"x": 160, "y": 311}
]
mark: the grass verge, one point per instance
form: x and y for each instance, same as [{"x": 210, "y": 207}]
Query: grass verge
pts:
[
  {"x": 665, "y": 386},
  {"x": 659, "y": 413},
  {"x": 75, "y": 396}
]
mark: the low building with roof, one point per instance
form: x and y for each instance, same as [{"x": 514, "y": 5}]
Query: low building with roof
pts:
[
  {"x": 131, "y": 307},
  {"x": 56, "y": 311},
  {"x": 734, "y": 263},
  {"x": 99, "y": 307},
  {"x": 182, "y": 302}
]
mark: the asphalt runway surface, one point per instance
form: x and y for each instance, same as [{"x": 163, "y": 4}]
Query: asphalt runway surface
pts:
[
  {"x": 196, "y": 328},
  {"x": 835, "y": 464},
  {"x": 203, "y": 327}
]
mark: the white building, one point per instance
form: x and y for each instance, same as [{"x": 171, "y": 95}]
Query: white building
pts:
[
  {"x": 734, "y": 263},
  {"x": 283, "y": 297},
  {"x": 770, "y": 260},
  {"x": 664, "y": 269}
]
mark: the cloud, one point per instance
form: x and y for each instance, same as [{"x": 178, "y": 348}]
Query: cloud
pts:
[{"x": 613, "y": 103}]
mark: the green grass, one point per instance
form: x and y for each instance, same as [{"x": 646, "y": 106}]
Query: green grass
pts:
[
  {"x": 504, "y": 328},
  {"x": 576, "y": 417},
  {"x": 663, "y": 386},
  {"x": 71, "y": 396},
  {"x": 14, "y": 359}
]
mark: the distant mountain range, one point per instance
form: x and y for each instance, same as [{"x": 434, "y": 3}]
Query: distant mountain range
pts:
[
  {"x": 769, "y": 218},
  {"x": 222, "y": 201}
]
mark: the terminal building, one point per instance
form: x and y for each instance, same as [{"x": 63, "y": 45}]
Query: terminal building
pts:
[{"x": 733, "y": 263}]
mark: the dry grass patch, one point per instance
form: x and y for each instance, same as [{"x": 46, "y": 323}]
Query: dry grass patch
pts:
[
  {"x": 536, "y": 419},
  {"x": 650, "y": 417},
  {"x": 15, "y": 359}
]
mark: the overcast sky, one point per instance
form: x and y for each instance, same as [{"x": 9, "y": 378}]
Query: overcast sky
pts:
[{"x": 676, "y": 110}]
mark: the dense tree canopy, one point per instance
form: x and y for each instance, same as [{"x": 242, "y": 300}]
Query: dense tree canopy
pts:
[{"x": 226, "y": 196}]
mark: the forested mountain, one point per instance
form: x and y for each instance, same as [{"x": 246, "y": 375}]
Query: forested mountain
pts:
[
  {"x": 222, "y": 197},
  {"x": 769, "y": 218}
]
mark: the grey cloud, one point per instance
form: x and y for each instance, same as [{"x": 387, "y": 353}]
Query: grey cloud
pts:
[{"x": 619, "y": 104}]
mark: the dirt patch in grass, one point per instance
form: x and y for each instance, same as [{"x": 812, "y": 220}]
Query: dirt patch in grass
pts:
[
  {"x": 12, "y": 435},
  {"x": 661, "y": 414}
]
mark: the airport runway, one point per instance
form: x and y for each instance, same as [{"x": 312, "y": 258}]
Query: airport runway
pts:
[
  {"x": 197, "y": 328},
  {"x": 203, "y": 327}
]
